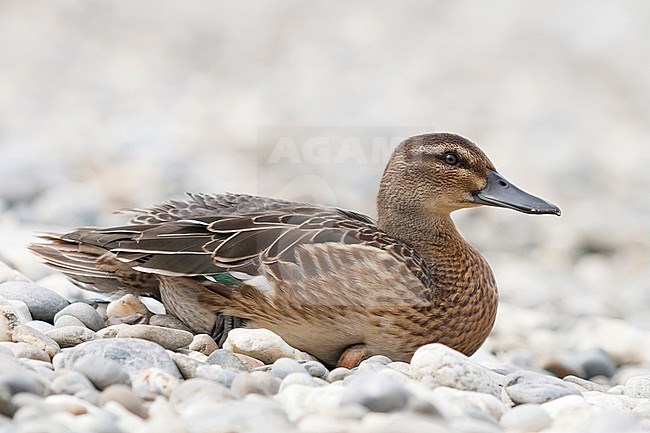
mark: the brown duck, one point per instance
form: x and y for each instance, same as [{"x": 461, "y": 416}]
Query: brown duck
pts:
[{"x": 331, "y": 282}]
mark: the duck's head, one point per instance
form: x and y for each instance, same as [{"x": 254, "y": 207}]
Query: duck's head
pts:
[{"x": 440, "y": 173}]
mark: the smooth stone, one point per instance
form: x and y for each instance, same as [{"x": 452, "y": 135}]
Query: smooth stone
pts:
[
  {"x": 369, "y": 366},
  {"x": 185, "y": 363},
  {"x": 339, "y": 373},
  {"x": 154, "y": 381},
  {"x": 457, "y": 403},
  {"x": 402, "y": 367},
  {"x": 216, "y": 373},
  {"x": 168, "y": 321},
  {"x": 376, "y": 392},
  {"x": 168, "y": 338},
  {"x": 638, "y": 387},
  {"x": 25, "y": 350},
  {"x": 380, "y": 359},
  {"x": 5, "y": 333},
  {"x": 192, "y": 391},
  {"x": 26, "y": 334},
  {"x": 584, "y": 383},
  {"x": 40, "y": 325},
  {"x": 286, "y": 366},
  {"x": 597, "y": 362},
  {"x": 262, "y": 344},
  {"x": 70, "y": 336},
  {"x": 403, "y": 422},
  {"x": 10, "y": 274},
  {"x": 297, "y": 379},
  {"x": 249, "y": 362},
  {"x": 610, "y": 402},
  {"x": 526, "y": 418},
  {"x": 21, "y": 309},
  {"x": 448, "y": 367},
  {"x": 203, "y": 343},
  {"x": 111, "y": 331},
  {"x": 70, "y": 403},
  {"x": 256, "y": 382},
  {"x": 124, "y": 396},
  {"x": 68, "y": 320},
  {"x": 89, "y": 395},
  {"x": 126, "y": 305},
  {"x": 316, "y": 369},
  {"x": 43, "y": 303},
  {"x": 132, "y": 353},
  {"x": 131, "y": 319},
  {"x": 24, "y": 381},
  {"x": 528, "y": 387},
  {"x": 85, "y": 313},
  {"x": 70, "y": 382},
  {"x": 102, "y": 372},
  {"x": 226, "y": 359},
  {"x": 10, "y": 319}
]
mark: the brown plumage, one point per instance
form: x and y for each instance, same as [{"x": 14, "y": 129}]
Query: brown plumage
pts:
[{"x": 323, "y": 278}]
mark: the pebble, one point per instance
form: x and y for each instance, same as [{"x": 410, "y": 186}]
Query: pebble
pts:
[
  {"x": 297, "y": 379},
  {"x": 70, "y": 336},
  {"x": 316, "y": 369},
  {"x": 40, "y": 325},
  {"x": 257, "y": 382},
  {"x": 21, "y": 310},
  {"x": 339, "y": 373},
  {"x": 132, "y": 354},
  {"x": 168, "y": 338},
  {"x": 124, "y": 396},
  {"x": 43, "y": 303},
  {"x": 249, "y": 362},
  {"x": 9, "y": 319},
  {"x": 102, "y": 372},
  {"x": 203, "y": 343},
  {"x": 111, "y": 331},
  {"x": 457, "y": 403},
  {"x": 586, "y": 384},
  {"x": 526, "y": 418},
  {"x": 9, "y": 274},
  {"x": 286, "y": 366},
  {"x": 126, "y": 305},
  {"x": 226, "y": 359},
  {"x": 638, "y": 387},
  {"x": 450, "y": 368},
  {"x": 26, "y": 350},
  {"x": 185, "y": 364},
  {"x": 67, "y": 320},
  {"x": 70, "y": 382},
  {"x": 85, "y": 313},
  {"x": 26, "y": 334},
  {"x": 168, "y": 321},
  {"x": 192, "y": 391},
  {"x": 529, "y": 387},
  {"x": 262, "y": 344},
  {"x": 216, "y": 373},
  {"x": 376, "y": 392},
  {"x": 154, "y": 381}
]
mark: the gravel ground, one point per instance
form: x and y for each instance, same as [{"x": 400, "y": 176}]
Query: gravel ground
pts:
[{"x": 109, "y": 105}]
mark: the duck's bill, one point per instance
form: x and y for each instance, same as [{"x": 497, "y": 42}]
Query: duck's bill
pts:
[{"x": 501, "y": 193}]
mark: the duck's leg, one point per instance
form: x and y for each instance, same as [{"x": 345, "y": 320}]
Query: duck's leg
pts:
[
  {"x": 353, "y": 356},
  {"x": 223, "y": 324}
]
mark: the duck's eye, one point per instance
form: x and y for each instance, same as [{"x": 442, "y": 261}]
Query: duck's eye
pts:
[{"x": 451, "y": 158}]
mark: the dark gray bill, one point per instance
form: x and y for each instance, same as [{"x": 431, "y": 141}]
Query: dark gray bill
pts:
[{"x": 501, "y": 193}]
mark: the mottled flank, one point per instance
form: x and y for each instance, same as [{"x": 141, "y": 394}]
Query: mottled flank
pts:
[{"x": 322, "y": 278}]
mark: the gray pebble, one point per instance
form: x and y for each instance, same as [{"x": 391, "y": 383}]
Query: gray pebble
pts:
[
  {"x": 297, "y": 379},
  {"x": 226, "y": 359},
  {"x": 597, "y": 362},
  {"x": 102, "y": 372},
  {"x": 25, "y": 350},
  {"x": 380, "y": 359},
  {"x": 203, "y": 343},
  {"x": 40, "y": 325},
  {"x": 186, "y": 364},
  {"x": 586, "y": 384},
  {"x": 339, "y": 373},
  {"x": 286, "y": 366},
  {"x": 132, "y": 353},
  {"x": 168, "y": 321},
  {"x": 216, "y": 373},
  {"x": 196, "y": 390},
  {"x": 168, "y": 338},
  {"x": 70, "y": 336},
  {"x": 26, "y": 334},
  {"x": 85, "y": 313},
  {"x": 21, "y": 309},
  {"x": 9, "y": 321},
  {"x": 377, "y": 392},
  {"x": 24, "y": 381},
  {"x": 525, "y": 418},
  {"x": 111, "y": 331},
  {"x": 370, "y": 366},
  {"x": 257, "y": 382},
  {"x": 528, "y": 387},
  {"x": 316, "y": 369},
  {"x": 67, "y": 320},
  {"x": 70, "y": 382},
  {"x": 43, "y": 303},
  {"x": 123, "y": 395}
]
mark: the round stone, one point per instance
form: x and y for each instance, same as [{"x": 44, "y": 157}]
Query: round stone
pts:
[
  {"x": 102, "y": 372},
  {"x": 316, "y": 369},
  {"x": 40, "y": 325},
  {"x": 638, "y": 387},
  {"x": 185, "y": 363},
  {"x": 262, "y": 344},
  {"x": 286, "y": 366},
  {"x": 529, "y": 387},
  {"x": 297, "y": 379},
  {"x": 226, "y": 359},
  {"x": 85, "y": 313},
  {"x": 376, "y": 392},
  {"x": 339, "y": 373},
  {"x": 203, "y": 343},
  {"x": 67, "y": 320},
  {"x": 126, "y": 305},
  {"x": 257, "y": 382},
  {"x": 43, "y": 303},
  {"x": 70, "y": 382},
  {"x": 25, "y": 334},
  {"x": 216, "y": 373},
  {"x": 70, "y": 336},
  {"x": 168, "y": 321},
  {"x": 123, "y": 395},
  {"x": 168, "y": 338}
]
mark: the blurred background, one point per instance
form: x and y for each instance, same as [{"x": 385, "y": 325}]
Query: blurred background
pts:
[{"x": 116, "y": 104}]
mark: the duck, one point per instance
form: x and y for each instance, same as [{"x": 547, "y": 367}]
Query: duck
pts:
[{"x": 331, "y": 282}]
